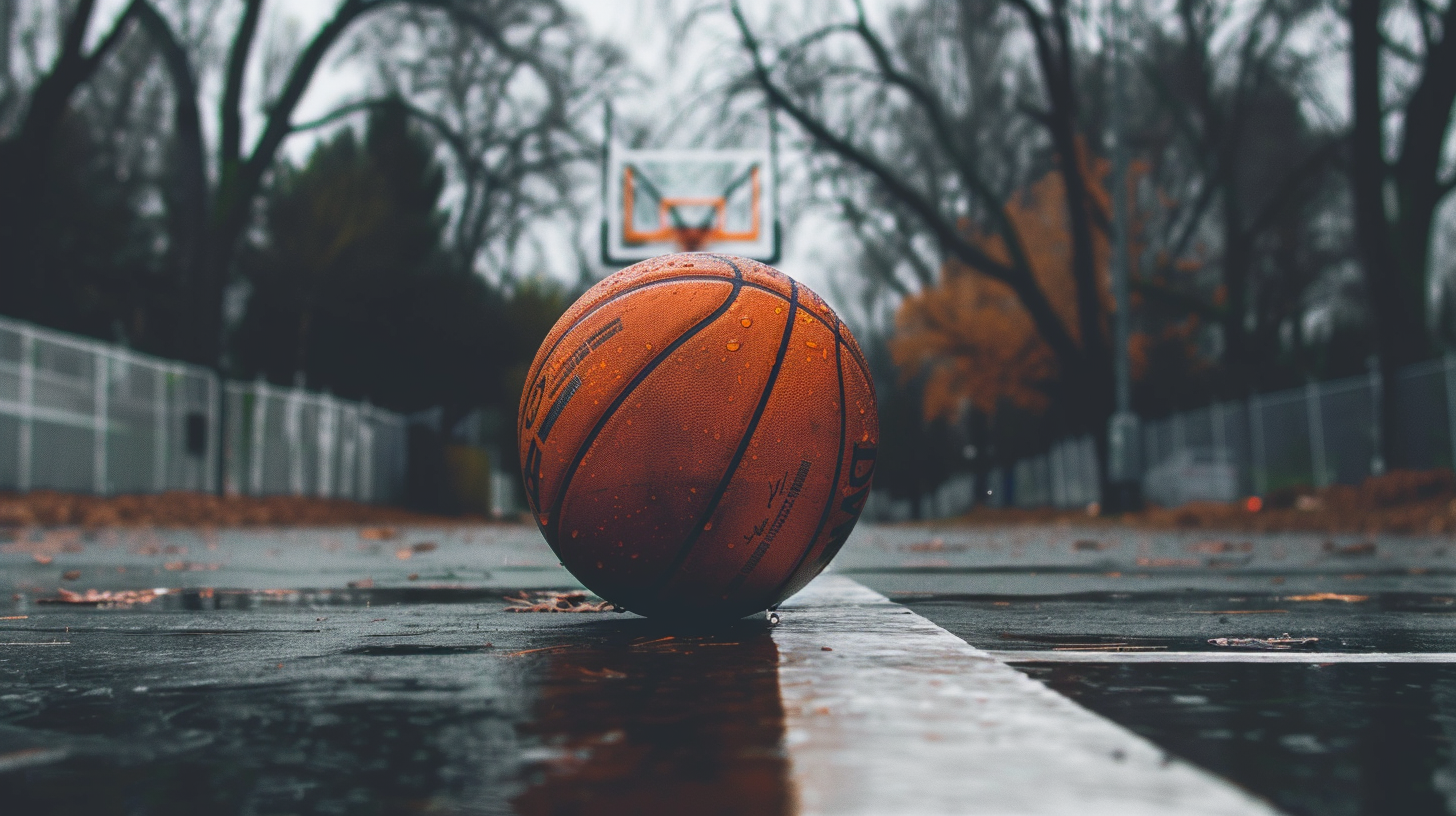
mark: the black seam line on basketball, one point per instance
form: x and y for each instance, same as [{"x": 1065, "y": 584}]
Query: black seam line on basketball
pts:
[
  {"x": 603, "y": 304},
  {"x": 757, "y": 286},
  {"x": 661, "y": 282},
  {"x": 557, "y": 407},
  {"x": 743, "y": 442},
  {"x": 595, "y": 307},
  {"x": 838, "y": 469},
  {"x": 554, "y": 516}
]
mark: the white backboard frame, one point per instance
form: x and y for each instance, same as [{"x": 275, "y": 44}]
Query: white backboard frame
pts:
[{"x": 618, "y": 246}]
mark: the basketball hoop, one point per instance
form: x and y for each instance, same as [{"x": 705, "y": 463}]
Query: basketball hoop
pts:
[
  {"x": 661, "y": 201},
  {"x": 692, "y": 239}
]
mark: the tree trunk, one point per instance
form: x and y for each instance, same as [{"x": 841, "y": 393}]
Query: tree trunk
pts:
[
  {"x": 25, "y": 157},
  {"x": 1400, "y": 326}
]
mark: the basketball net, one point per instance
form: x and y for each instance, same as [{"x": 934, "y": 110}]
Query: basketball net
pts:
[{"x": 691, "y": 239}]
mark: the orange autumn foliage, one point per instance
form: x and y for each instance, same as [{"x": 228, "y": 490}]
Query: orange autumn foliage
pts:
[{"x": 969, "y": 334}]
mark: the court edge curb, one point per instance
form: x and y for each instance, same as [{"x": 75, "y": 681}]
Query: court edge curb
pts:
[{"x": 887, "y": 713}]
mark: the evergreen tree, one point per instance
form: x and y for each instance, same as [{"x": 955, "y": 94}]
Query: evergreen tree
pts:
[{"x": 351, "y": 288}]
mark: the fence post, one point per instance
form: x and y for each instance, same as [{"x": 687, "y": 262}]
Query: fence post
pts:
[
  {"x": 348, "y": 452},
  {"x": 1316, "y": 433},
  {"x": 1377, "y": 437},
  {"x": 366, "y": 453},
  {"x": 25, "y": 440},
  {"x": 255, "y": 452},
  {"x": 1450, "y": 372},
  {"x": 328, "y": 423},
  {"x": 161, "y": 399},
  {"x": 1180, "y": 436},
  {"x": 216, "y": 439},
  {"x": 101, "y": 386},
  {"x": 1258, "y": 461},
  {"x": 1220, "y": 433},
  {"x": 293, "y": 432}
]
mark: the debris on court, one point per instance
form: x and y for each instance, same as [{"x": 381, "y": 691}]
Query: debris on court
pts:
[
  {"x": 934, "y": 545},
  {"x": 51, "y": 508},
  {"x": 1284, "y": 641},
  {"x": 104, "y": 598},
  {"x": 1327, "y": 596},
  {"x": 1357, "y": 550},
  {"x": 555, "y": 601}
]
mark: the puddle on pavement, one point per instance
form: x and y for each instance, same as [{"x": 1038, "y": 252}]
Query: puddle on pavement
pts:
[
  {"x": 560, "y": 714},
  {"x": 1318, "y": 740}
]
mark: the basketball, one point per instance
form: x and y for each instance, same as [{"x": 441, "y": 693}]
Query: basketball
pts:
[{"x": 697, "y": 436}]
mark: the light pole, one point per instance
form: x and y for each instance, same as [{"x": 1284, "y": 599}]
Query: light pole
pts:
[{"x": 1124, "y": 466}]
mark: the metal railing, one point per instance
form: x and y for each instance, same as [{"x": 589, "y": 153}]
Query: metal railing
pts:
[{"x": 83, "y": 416}]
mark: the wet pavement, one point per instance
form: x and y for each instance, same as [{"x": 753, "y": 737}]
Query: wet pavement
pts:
[
  {"x": 1313, "y": 737},
  {"x": 377, "y": 671}
]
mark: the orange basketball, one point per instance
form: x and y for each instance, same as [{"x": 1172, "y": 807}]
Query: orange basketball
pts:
[{"x": 697, "y": 435}]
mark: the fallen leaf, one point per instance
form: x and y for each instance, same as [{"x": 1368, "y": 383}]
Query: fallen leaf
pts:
[
  {"x": 1276, "y": 643},
  {"x": 1327, "y": 596},
  {"x": 549, "y": 601},
  {"x": 107, "y": 598}
]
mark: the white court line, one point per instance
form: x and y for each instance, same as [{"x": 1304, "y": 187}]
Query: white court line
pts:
[
  {"x": 901, "y": 717},
  {"x": 1080, "y": 656}
]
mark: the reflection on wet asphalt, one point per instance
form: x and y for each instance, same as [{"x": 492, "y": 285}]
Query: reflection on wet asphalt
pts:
[
  {"x": 372, "y": 671},
  {"x": 1316, "y": 740},
  {"x": 381, "y": 708},
  {"x": 645, "y": 721}
]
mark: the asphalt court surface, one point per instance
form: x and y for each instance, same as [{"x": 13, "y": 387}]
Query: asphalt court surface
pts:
[{"x": 327, "y": 671}]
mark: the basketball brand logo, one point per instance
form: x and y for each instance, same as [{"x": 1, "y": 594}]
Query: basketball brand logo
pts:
[{"x": 854, "y": 503}]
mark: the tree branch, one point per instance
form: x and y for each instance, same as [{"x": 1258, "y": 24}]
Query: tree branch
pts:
[
  {"x": 232, "y": 95},
  {"x": 1291, "y": 184},
  {"x": 947, "y": 233},
  {"x": 977, "y": 185},
  {"x": 191, "y": 176}
]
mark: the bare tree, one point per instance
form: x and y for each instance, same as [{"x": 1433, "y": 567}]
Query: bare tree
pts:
[
  {"x": 511, "y": 126},
  {"x": 25, "y": 152},
  {"x": 1398, "y": 181},
  {"x": 1246, "y": 160},
  {"x": 224, "y": 203},
  {"x": 933, "y": 85}
]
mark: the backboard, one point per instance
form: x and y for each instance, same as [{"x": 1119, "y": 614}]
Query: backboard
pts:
[{"x": 661, "y": 201}]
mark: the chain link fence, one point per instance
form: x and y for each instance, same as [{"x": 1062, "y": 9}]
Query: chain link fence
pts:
[
  {"x": 82, "y": 416},
  {"x": 1322, "y": 434},
  {"x": 291, "y": 441}
]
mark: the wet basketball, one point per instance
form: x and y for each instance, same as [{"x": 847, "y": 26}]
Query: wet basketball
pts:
[{"x": 697, "y": 436}]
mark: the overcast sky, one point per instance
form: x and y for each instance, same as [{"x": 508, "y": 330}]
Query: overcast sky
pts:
[{"x": 813, "y": 246}]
